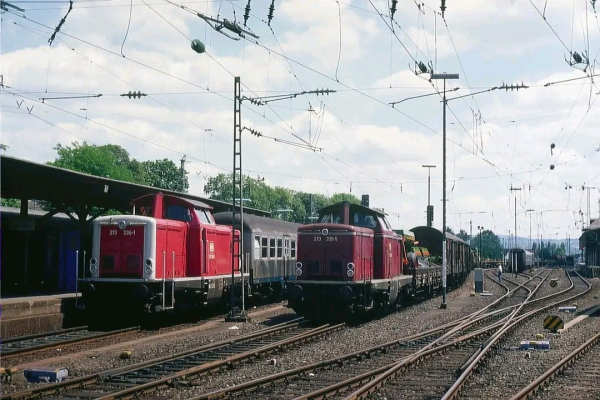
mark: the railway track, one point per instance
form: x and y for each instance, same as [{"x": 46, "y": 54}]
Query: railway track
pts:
[
  {"x": 575, "y": 376},
  {"x": 429, "y": 363},
  {"x": 495, "y": 340},
  {"x": 33, "y": 343},
  {"x": 174, "y": 369}
]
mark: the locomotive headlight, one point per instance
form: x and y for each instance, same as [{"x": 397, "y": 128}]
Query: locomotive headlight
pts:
[
  {"x": 298, "y": 268},
  {"x": 148, "y": 267},
  {"x": 350, "y": 270},
  {"x": 93, "y": 265},
  {"x": 122, "y": 224}
]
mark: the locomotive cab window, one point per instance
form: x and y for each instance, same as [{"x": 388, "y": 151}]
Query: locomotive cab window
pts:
[
  {"x": 272, "y": 248},
  {"x": 179, "y": 213},
  {"x": 332, "y": 218},
  {"x": 203, "y": 217},
  {"x": 293, "y": 249},
  {"x": 366, "y": 221}
]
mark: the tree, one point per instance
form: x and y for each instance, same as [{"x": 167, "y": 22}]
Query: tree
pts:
[
  {"x": 3, "y": 147},
  {"x": 113, "y": 161},
  {"x": 163, "y": 174},
  {"x": 489, "y": 245},
  {"x": 109, "y": 161},
  {"x": 339, "y": 197},
  {"x": 449, "y": 230},
  {"x": 463, "y": 235}
]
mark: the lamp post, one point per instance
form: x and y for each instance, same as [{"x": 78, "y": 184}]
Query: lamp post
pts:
[
  {"x": 444, "y": 77},
  {"x": 530, "y": 211},
  {"x": 514, "y": 258},
  {"x": 429, "y": 206},
  {"x": 480, "y": 228}
]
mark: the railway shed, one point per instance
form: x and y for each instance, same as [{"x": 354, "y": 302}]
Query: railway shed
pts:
[
  {"x": 39, "y": 241},
  {"x": 589, "y": 243}
]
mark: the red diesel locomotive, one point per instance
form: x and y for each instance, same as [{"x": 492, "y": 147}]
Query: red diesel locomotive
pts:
[
  {"x": 350, "y": 261},
  {"x": 169, "y": 254}
]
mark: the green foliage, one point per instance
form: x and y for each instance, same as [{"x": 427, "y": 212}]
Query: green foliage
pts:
[
  {"x": 277, "y": 200},
  {"x": 450, "y": 231},
  {"x": 489, "y": 245},
  {"x": 339, "y": 197},
  {"x": 113, "y": 161},
  {"x": 463, "y": 235},
  {"x": 16, "y": 203},
  {"x": 163, "y": 174},
  {"x": 109, "y": 161}
]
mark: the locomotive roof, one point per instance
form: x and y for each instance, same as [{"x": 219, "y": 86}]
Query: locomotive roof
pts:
[
  {"x": 255, "y": 222},
  {"x": 195, "y": 203},
  {"x": 336, "y": 206}
]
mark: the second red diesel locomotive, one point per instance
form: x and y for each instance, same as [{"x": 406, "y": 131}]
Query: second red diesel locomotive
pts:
[{"x": 352, "y": 262}]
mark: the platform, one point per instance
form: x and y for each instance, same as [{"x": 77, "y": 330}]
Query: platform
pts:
[{"x": 36, "y": 314}]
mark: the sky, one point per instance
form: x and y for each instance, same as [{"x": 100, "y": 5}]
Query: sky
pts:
[{"x": 542, "y": 139}]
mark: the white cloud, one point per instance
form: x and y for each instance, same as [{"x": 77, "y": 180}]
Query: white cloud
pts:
[{"x": 367, "y": 144}]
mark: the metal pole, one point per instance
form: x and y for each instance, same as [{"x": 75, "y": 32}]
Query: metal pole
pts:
[
  {"x": 480, "y": 248},
  {"x": 429, "y": 217},
  {"x": 444, "y": 265},
  {"x": 77, "y": 276}
]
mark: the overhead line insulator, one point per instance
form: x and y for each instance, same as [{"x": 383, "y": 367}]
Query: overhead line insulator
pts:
[{"x": 134, "y": 94}]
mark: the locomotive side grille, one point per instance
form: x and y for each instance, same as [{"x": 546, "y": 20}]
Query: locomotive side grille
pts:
[
  {"x": 335, "y": 266},
  {"x": 313, "y": 266},
  {"x": 108, "y": 262},
  {"x": 134, "y": 262}
]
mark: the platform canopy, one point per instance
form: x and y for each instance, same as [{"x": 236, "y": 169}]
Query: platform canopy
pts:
[{"x": 26, "y": 180}]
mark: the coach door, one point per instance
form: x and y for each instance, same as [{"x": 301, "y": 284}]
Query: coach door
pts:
[{"x": 286, "y": 255}]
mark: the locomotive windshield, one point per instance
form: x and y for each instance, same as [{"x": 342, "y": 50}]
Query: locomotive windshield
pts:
[
  {"x": 331, "y": 218},
  {"x": 364, "y": 220}
]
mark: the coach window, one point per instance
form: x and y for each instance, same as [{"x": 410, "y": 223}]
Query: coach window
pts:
[
  {"x": 256, "y": 247},
  {"x": 279, "y": 247},
  {"x": 293, "y": 249},
  {"x": 264, "y": 247},
  {"x": 272, "y": 248}
]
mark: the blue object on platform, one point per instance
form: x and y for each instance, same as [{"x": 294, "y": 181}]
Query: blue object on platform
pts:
[
  {"x": 567, "y": 309},
  {"x": 42, "y": 374},
  {"x": 534, "y": 345}
]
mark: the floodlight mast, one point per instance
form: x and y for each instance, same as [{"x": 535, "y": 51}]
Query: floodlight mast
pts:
[{"x": 444, "y": 77}]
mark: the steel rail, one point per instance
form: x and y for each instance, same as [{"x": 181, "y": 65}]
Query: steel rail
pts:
[
  {"x": 321, "y": 364},
  {"x": 286, "y": 375},
  {"x": 12, "y": 352},
  {"x": 381, "y": 378},
  {"x": 39, "y": 335},
  {"x": 546, "y": 376},
  {"x": 80, "y": 382},
  {"x": 453, "y": 391},
  {"x": 172, "y": 379}
]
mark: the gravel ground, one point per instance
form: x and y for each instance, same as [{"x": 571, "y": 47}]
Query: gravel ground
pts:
[
  {"x": 163, "y": 346},
  {"x": 411, "y": 320},
  {"x": 511, "y": 369}
]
